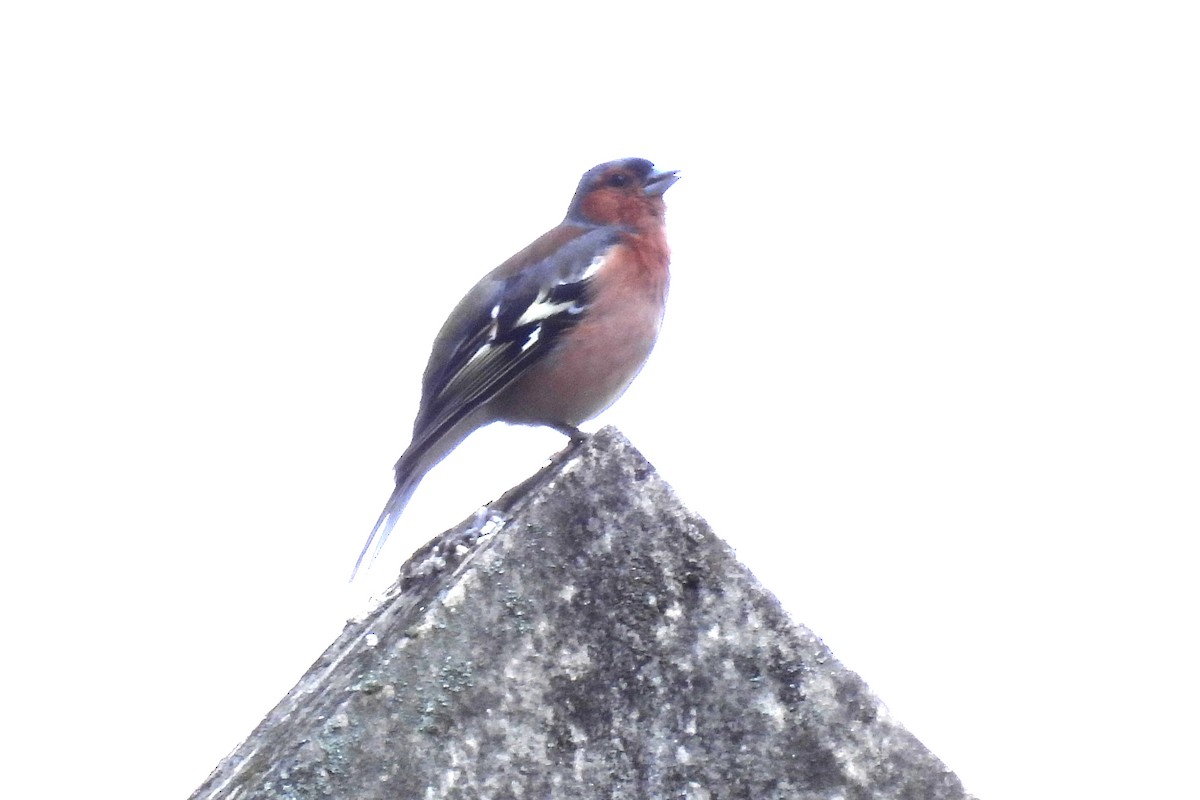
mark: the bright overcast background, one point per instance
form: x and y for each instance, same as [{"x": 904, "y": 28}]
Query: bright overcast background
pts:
[{"x": 930, "y": 362}]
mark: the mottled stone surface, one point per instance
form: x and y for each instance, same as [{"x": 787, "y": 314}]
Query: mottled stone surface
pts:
[{"x": 591, "y": 639}]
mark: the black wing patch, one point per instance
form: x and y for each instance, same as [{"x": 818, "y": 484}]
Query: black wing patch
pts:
[{"x": 524, "y": 320}]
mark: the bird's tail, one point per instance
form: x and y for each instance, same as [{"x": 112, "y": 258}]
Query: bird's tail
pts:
[{"x": 403, "y": 492}]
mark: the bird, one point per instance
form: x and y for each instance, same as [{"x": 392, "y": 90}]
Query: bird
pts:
[{"x": 555, "y": 334}]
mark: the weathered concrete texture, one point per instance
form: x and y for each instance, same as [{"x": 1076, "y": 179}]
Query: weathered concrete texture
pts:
[{"x": 601, "y": 642}]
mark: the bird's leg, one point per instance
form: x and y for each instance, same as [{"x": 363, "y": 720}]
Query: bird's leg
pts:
[{"x": 570, "y": 431}]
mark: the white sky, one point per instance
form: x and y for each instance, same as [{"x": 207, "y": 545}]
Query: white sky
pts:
[{"x": 930, "y": 361}]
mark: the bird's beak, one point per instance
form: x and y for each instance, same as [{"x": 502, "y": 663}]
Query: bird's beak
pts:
[{"x": 659, "y": 181}]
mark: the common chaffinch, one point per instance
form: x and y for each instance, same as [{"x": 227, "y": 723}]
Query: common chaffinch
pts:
[{"x": 552, "y": 336}]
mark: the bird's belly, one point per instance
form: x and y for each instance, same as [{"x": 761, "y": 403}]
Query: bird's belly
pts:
[{"x": 592, "y": 368}]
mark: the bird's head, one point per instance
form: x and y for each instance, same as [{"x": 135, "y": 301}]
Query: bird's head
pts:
[{"x": 627, "y": 192}]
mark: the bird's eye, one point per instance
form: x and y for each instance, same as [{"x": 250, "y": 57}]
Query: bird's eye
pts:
[{"x": 618, "y": 179}]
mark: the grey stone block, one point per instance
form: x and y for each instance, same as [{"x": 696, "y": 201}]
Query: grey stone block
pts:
[{"x": 588, "y": 638}]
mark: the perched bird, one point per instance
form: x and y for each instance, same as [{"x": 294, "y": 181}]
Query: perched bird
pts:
[{"x": 552, "y": 336}]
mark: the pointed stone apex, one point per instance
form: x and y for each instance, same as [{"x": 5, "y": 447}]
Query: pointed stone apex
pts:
[{"x": 589, "y": 638}]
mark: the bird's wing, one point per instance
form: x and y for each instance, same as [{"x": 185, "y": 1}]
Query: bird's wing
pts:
[{"x": 507, "y": 323}]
